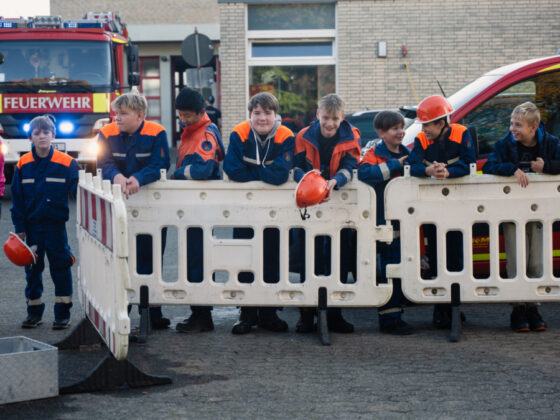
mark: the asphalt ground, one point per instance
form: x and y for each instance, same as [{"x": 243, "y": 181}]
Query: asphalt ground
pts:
[{"x": 491, "y": 373}]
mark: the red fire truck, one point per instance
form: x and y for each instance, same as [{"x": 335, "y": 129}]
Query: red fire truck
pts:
[{"x": 69, "y": 69}]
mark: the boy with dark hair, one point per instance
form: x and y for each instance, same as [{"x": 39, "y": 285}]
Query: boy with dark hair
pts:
[
  {"x": 260, "y": 149},
  {"x": 43, "y": 180},
  {"x": 132, "y": 151},
  {"x": 526, "y": 148},
  {"x": 379, "y": 165},
  {"x": 198, "y": 157},
  {"x": 332, "y": 146}
]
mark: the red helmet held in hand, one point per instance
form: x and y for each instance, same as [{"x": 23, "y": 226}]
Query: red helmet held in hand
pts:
[
  {"x": 433, "y": 108},
  {"x": 18, "y": 251},
  {"x": 311, "y": 190}
]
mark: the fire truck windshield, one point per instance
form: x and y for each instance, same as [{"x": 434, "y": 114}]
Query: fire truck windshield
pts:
[{"x": 61, "y": 65}]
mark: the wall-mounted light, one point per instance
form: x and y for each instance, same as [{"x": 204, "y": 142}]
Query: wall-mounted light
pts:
[{"x": 381, "y": 49}]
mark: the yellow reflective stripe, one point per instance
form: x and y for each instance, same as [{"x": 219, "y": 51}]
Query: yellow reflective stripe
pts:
[
  {"x": 1, "y": 102},
  {"x": 63, "y": 299},
  {"x": 554, "y": 67},
  {"x": 486, "y": 257},
  {"x": 118, "y": 41},
  {"x": 101, "y": 102}
]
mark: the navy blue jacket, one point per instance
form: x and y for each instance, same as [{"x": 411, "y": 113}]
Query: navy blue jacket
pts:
[
  {"x": 376, "y": 169},
  {"x": 345, "y": 157},
  {"x": 274, "y": 161},
  {"x": 456, "y": 149},
  {"x": 141, "y": 155},
  {"x": 40, "y": 190},
  {"x": 504, "y": 159}
]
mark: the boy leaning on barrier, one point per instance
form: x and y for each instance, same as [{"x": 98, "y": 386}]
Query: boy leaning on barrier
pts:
[
  {"x": 132, "y": 151},
  {"x": 332, "y": 146},
  {"x": 198, "y": 158},
  {"x": 526, "y": 148},
  {"x": 43, "y": 180},
  {"x": 378, "y": 166},
  {"x": 441, "y": 150},
  {"x": 260, "y": 149}
]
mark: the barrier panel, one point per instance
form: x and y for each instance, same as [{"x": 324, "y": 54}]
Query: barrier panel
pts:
[
  {"x": 213, "y": 208},
  {"x": 103, "y": 269},
  {"x": 458, "y": 210}
]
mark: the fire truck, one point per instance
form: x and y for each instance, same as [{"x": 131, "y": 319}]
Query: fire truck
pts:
[{"x": 71, "y": 70}]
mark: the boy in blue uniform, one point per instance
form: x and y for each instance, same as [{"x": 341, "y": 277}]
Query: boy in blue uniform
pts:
[
  {"x": 131, "y": 153},
  {"x": 199, "y": 156},
  {"x": 441, "y": 150},
  {"x": 260, "y": 149},
  {"x": 43, "y": 180},
  {"x": 332, "y": 146},
  {"x": 379, "y": 165},
  {"x": 526, "y": 148}
]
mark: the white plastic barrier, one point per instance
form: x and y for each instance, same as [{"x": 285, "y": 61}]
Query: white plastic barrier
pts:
[
  {"x": 103, "y": 270},
  {"x": 214, "y": 205},
  {"x": 456, "y": 205}
]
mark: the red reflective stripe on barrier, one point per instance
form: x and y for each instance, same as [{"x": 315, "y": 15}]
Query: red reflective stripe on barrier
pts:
[
  {"x": 110, "y": 228},
  {"x": 96, "y": 318},
  {"x": 103, "y": 223},
  {"x": 85, "y": 210}
]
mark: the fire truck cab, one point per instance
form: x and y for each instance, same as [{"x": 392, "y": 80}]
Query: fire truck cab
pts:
[{"x": 71, "y": 70}]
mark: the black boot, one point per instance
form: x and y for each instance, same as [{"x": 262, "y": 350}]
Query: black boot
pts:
[
  {"x": 268, "y": 319},
  {"x": 247, "y": 319},
  {"x": 199, "y": 321},
  {"x": 306, "y": 322},
  {"x": 336, "y": 323}
]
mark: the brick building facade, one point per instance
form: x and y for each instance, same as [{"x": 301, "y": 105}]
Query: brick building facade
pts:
[{"x": 450, "y": 42}]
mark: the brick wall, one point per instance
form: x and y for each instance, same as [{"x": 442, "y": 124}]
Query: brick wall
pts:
[
  {"x": 234, "y": 70},
  {"x": 450, "y": 41},
  {"x": 143, "y": 11}
]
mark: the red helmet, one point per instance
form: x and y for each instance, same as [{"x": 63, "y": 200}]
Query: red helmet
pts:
[
  {"x": 18, "y": 251},
  {"x": 311, "y": 190},
  {"x": 433, "y": 108}
]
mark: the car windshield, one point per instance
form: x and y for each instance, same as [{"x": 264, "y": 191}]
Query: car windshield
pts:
[
  {"x": 457, "y": 100},
  {"x": 31, "y": 65}
]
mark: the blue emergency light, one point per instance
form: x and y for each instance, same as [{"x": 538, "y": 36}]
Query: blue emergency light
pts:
[{"x": 66, "y": 127}]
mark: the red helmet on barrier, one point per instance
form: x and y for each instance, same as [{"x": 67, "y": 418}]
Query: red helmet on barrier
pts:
[
  {"x": 433, "y": 108},
  {"x": 18, "y": 251},
  {"x": 311, "y": 189}
]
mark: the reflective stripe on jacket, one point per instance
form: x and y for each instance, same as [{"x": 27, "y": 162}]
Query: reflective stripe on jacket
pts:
[
  {"x": 247, "y": 160},
  {"x": 141, "y": 154},
  {"x": 376, "y": 169},
  {"x": 40, "y": 190}
]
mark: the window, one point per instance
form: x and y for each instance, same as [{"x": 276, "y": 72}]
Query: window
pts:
[
  {"x": 291, "y": 16},
  {"x": 298, "y": 88},
  {"x": 151, "y": 86},
  {"x": 492, "y": 118},
  {"x": 292, "y": 49},
  {"x": 292, "y": 54}
]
